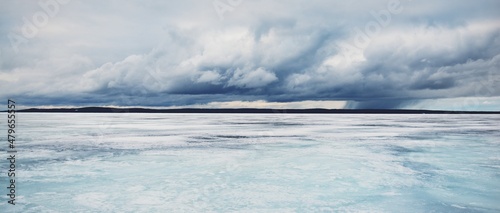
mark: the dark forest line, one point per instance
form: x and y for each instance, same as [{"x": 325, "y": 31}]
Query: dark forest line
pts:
[{"x": 249, "y": 110}]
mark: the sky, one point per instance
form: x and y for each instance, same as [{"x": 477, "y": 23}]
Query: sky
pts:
[{"x": 364, "y": 54}]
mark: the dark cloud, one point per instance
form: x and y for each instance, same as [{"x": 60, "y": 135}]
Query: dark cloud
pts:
[{"x": 377, "y": 104}]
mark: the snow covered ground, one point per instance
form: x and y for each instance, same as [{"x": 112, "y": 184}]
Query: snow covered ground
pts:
[{"x": 254, "y": 163}]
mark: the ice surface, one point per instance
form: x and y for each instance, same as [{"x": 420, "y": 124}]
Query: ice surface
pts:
[{"x": 256, "y": 163}]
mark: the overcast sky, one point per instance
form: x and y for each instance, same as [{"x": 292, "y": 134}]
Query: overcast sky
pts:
[{"x": 256, "y": 53}]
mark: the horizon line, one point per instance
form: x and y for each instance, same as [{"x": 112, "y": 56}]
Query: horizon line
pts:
[{"x": 244, "y": 110}]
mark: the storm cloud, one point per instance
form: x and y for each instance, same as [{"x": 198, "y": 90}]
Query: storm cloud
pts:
[{"x": 369, "y": 54}]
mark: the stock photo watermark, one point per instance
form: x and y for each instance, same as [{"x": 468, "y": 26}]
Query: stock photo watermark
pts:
[
  {"x": 363, "y": 36},
  {"x": 222, "y": 7},
  {"x": 485, "y": 88},
  {"x": 11, "y": 151},
  {"x": 31, "y": 26}
]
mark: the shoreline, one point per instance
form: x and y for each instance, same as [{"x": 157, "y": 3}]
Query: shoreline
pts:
[{"x": 246, "y": 111}]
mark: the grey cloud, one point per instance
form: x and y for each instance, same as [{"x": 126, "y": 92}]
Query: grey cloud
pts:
[
  {"x": 252, "y": 79},
  {"x": 175, "y": 53}
]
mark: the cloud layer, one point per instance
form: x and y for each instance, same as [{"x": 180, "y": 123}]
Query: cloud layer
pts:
[{"x": 372, "y": 54}]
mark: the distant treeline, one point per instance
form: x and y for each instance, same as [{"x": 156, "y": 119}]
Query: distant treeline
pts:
[{"x": 245, "y": 110}]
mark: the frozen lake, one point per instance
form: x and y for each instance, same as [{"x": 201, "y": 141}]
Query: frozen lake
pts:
[{"x": 255, "y": 163}]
